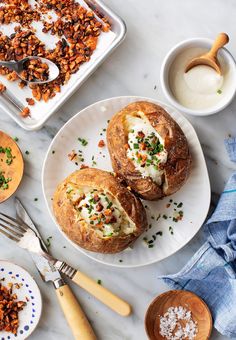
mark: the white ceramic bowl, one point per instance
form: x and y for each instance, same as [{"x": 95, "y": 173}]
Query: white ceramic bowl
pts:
[{"x": 170, "y": 57}]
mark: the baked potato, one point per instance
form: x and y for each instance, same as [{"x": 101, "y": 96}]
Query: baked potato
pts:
[
  {"x": 148, "y": 150},
  {"x": 97, "y": 212}
]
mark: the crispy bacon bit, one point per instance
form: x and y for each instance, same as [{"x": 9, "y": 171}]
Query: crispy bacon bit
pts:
[
  {"x": 12, "y": 76},
  {"x": 72, "y": 155},
  {"x": 99, "y": 207},
  {"x": 30, "y": 101},
  {"x": 9, "y": 309},
  {"x": 22, "y": 84},
  {"x": 96, "y": 198},
  {"x": 25, "y": 112},
  {"x": 107, "y": 212},
  {"x": 2, "y": 88},
  {"x": 142, "y": 146},
  {"x": 101, "y": 143},
  {"x": 83, "y": 166},
  {"x": 141, "y": 134},
  {"x": 110, "y": 219}
]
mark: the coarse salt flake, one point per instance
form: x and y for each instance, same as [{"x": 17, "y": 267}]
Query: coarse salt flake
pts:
[{"x": 172, "y": 329}]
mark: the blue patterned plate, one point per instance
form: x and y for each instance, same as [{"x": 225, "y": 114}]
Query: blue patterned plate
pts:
[{"x": 29, "y": 292}]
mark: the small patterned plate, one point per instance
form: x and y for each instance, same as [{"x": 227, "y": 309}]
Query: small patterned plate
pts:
[{"x": 30, "y": 315}]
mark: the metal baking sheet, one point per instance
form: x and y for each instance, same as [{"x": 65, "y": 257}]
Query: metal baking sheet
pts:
[{"x": 42, "y": 111}]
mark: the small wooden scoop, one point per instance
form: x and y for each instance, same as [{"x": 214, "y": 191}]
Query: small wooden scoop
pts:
[{"x": 210, "y": 58}]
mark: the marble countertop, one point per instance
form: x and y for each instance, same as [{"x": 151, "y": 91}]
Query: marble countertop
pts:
[{"x": 154, "y": 26}]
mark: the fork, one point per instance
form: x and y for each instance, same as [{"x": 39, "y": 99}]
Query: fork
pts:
[
  {"x": 26, "y": 238},
  {"x": 22, "y": 234}
]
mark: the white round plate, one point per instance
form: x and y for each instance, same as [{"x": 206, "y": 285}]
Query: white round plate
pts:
[
  {"x": 29, "y": 317},
  {"x": 90, "y": 124}
]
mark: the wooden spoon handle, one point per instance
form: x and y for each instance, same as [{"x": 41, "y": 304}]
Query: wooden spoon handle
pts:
[
  {"x": 75, "y": 317},
  {"x": 221, "y": 40},
  {"x": 101, "y": 293}
]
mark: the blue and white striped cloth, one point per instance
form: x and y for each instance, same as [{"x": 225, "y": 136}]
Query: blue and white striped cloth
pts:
[{"x": 211, "y": 273}]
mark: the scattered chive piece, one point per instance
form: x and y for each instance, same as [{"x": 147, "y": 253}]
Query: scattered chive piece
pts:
[
  {"x": 48, "y": 243},
  {"x": 219, "y": 91},
  {"x": 16, "y": 139},
  {"x": 165, "y": 217},
  {"x": 82, "y": 141},
  {"x": 53, "y": 151},
  {"x": 150, "y": 245},
  {"x": 120, "y": 260},
  {"x": 99, "y": 281},
  {"x": 180, "y": 205},
  {"x": 36, "y": 199},
  {"x": 160, "y": 233},
  {"x": 171, "y": 230},
  {"x": 27, "y": 152}
]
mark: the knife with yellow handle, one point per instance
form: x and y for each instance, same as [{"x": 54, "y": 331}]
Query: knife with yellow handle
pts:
[
  {"x": 73, "y": 313},
  {"x": 101, "y": 293}
]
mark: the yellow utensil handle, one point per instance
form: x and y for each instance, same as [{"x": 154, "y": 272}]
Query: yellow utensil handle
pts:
[
  {"x": 104, "y": 295},
  {"x": 74, "y": 315},
  {"x": 221, "y": 40}
]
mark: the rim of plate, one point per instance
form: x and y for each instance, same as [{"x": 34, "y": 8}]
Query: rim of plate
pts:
[
  {"x": 84, "y": 251},
  {"x": 40, "y": 304}
]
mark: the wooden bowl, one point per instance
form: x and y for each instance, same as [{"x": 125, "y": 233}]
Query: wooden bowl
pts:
[
  {"x": 175, "y": 298},
  {"x": 14, "y": 170}
]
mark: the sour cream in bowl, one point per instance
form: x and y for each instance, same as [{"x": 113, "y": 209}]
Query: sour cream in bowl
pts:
[{"x": 201, "y": 91}]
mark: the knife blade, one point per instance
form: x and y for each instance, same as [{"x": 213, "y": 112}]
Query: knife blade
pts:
[{"x": 23, "y": 215}]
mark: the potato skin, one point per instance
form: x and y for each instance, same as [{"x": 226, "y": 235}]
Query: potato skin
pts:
[
  {"x": 87, "y": 238},
  {"x": 178, "y": 165}
]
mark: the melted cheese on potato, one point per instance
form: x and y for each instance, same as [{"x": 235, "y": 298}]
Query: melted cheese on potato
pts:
[
  {"x": 101, "y": 211},
  {"x": 145, "y": 147}
]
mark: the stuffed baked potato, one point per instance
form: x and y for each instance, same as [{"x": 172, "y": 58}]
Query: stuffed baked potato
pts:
[
  {"x": 148, "y": 150},
  {"x": 97, "y": 212}
]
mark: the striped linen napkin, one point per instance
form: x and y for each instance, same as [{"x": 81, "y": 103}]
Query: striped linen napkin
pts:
[{"x": 211, "y": 272}]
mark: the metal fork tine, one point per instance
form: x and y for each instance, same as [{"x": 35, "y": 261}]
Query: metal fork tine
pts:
[
  {"x": 14, "y": 220},
  {"x": 15, "y": 233},
  {"x": 9, "y": 236},
  {"x": 15, "y": 224}
]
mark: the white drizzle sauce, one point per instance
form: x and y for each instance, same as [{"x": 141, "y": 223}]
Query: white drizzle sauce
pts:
[{"x": 201, "y": 87}]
